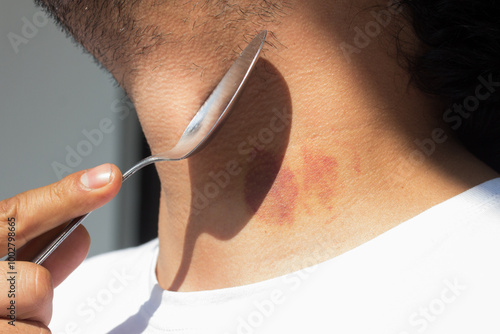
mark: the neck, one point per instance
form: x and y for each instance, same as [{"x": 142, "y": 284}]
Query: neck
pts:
[{"x": 317, "y": 157}]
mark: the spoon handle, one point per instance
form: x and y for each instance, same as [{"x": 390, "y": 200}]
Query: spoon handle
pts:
[
  {"x": 75, "y": 222},
  {"x": 50, "y": 248}
]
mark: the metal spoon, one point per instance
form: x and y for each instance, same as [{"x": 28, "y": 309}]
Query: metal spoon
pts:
[{"x": 203, "y": 125}]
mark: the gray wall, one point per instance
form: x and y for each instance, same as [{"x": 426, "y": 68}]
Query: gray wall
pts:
[{"x": 50, "y": 94}]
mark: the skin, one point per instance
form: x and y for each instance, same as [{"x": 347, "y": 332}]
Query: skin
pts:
[
  {"x": 338, "y": 167},
  {"x": 38, "y": 214}
]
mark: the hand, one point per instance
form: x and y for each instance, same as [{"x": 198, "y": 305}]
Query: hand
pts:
[{"x": 35, "y": 216}]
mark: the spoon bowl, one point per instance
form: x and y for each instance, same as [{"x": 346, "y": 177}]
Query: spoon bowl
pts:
[{"x": 201, "y": 128}]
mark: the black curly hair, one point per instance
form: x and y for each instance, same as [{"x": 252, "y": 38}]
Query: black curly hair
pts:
[{"x": 461, "y": 53}]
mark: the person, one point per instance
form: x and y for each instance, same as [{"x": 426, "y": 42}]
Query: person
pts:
[{"x": 353, "y": 189}]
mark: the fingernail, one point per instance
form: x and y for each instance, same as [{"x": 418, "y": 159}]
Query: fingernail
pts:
[{"x": 96, "y": 177}]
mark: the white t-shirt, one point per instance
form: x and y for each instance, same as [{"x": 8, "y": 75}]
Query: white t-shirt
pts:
[{"x": 438, "y": 272}]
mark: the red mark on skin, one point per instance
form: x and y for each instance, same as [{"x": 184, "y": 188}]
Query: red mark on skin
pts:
[
  {"x": 283, "y": 196},
  {"x": 266, "y": 180},
  {"x": 357, "y": 163},
  {"x": 332, "y": 219},
  {"x": 320, "y": 179},
  {"x": 356, "y": 158}
]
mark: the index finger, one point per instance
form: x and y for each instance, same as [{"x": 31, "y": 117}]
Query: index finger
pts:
[{"x": 34, "y": 212}]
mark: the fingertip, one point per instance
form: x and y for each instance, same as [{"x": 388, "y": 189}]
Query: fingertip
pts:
[
  {"x": 116, "y": 175},
  {"x": 114, "y": 184},
  {"x": 100, "y": 184},
  {"x": 99, "y": 177}
]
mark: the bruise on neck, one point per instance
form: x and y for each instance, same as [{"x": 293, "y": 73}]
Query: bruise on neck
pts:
[{"x": 278, "y": 194}]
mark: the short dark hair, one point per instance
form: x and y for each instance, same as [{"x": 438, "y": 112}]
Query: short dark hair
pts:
[
  {"x": 113, "y": 32},
  {"x": 108, "y": 30}
]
